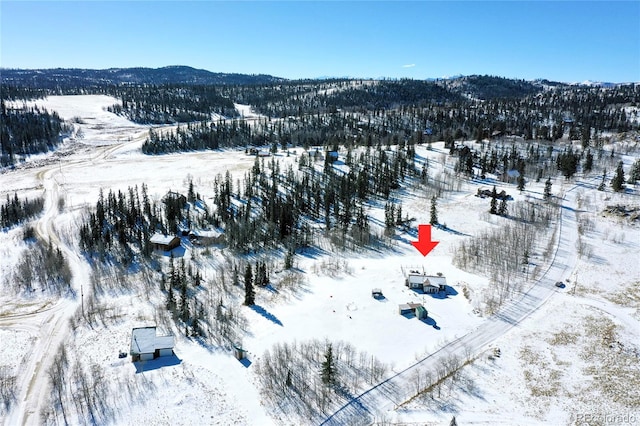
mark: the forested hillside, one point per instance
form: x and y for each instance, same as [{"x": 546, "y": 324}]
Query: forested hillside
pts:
[
  {"x": 27, "y": 131},
  {"x": 348, "y": 112},
  {"x": 151, "y": 104},
  {"x": 74, "y": 81}
]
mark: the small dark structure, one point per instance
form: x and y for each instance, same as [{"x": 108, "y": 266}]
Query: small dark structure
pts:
[
  {"x": 239, "y": 353},
  {"x": 259, "y": 152},
  {"x": 376, "y": 293},
  {"x": 421, "y": 312},
  {"x": 502, "y": 195}
]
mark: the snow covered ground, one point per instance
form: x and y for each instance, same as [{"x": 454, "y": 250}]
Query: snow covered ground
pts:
[{"x": 564, "y": 351}]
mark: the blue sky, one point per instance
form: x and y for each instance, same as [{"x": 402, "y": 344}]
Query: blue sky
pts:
[{"x": 567, "y": 41}]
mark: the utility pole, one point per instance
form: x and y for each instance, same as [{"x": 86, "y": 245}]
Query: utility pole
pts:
[{"x": 82, "y": 301}]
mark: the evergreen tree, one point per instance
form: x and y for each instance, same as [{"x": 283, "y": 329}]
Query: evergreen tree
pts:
[
  {"x": 171, "y": 300},
  {"x": 601, "y": 187},
  {"x": 235, "y": 279},
  {"x": 617, "y": 183},
  {"x": 191, "y": 195},
  {"x": 588, "y": 162},
  {"x": 547, "y": 189},
  {"x": 288, "y": 382},
  {"x": 585, "y": 136},
  {"x": 249, "y": 295},
  {"x": 634, "y": 173},
  {"x": 502, "y": 209},
  {"x": 567, "y": 163},
  {"x": 434, "y": 211},
  {"x": 328, "y": 373},
  {"x": 288, "y": 259},
  {"x": 521, "y": 183},
  {"x": 184, "y": 302},
  {"x": 494, "y": 201},
  {"x": 195, "y": 322}
]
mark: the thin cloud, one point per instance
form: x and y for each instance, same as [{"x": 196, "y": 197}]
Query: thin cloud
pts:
[{"x": 409, "y": 66}]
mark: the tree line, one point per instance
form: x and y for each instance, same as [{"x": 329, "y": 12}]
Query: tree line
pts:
[
  {"x": 27, "y": 131},
  {"x": 165, "y": 104},
  {"x": 16, "y": 211}
]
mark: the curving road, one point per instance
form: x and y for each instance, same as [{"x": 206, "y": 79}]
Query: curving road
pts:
[
  {"x": 385, "y": 396},
  {"x": 50, "y": 323}
]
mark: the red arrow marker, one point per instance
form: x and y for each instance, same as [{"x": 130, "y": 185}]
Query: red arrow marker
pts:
[{"x": 424, "y": 243}]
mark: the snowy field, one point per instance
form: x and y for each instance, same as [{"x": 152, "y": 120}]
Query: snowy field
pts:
[{"x": 575, "y": 352}]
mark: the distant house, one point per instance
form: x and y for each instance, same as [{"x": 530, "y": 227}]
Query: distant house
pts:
[
  {"x": 206, "y": 237},
  {"x": 259, "y": 152},
  {"x": 510, "y": 176},
  {"x": 162, "y": 242},
  {"x": 146, "y": 345},
  {"x": 429, "y": 284}
]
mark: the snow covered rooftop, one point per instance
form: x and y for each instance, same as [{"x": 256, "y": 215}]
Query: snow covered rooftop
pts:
[
  {"x": 144, "y": 340},
  {"x": 159, "y": 238},
  {"x": 416, "y": 279},
  {"x": 436, "y": 280}
]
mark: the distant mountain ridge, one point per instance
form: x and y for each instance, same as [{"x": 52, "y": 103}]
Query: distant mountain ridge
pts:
[{"x": 176, "y": 74}]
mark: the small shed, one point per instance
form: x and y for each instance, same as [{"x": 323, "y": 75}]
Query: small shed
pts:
[
  {"x": 163, "y": 242},
  {"x": 404, "y": 308},
  {"x": 239, "y": 353},
  {"x": 421, "y": 312},
  {"x": 146, "y": 345},
  {"x": 376, "y": 293},
  {"x": 412, "y": 308}
]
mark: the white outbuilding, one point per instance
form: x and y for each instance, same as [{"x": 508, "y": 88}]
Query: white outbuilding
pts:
[{"x": 146, "y": 345}]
